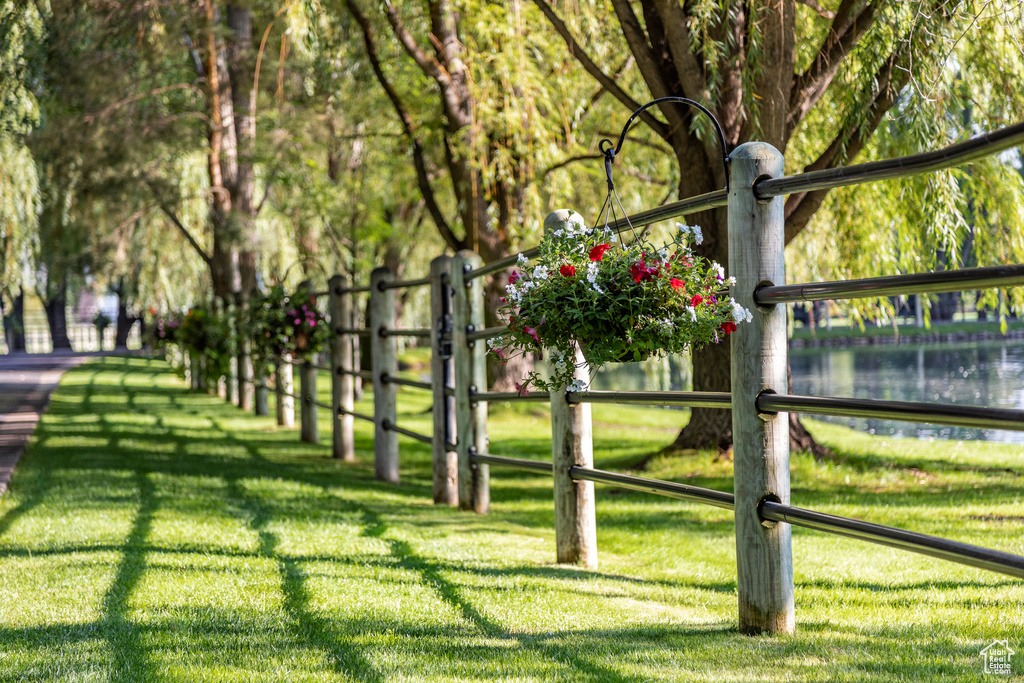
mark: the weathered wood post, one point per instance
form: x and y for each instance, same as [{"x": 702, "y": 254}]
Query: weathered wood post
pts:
[
  {"x": 442, "y": 377},
  {"x": 764, "y": 561},
  {"x": 384, "y": 353},
  {"x": 245, "y": 379},
  {"x": 261, "y": 405},
  {"x": 572, "y": 445},
  {"x": 231, "y": 380},
  {"x": 284, "y": 387},
  {"x": 342, "y": 397},
  {"x": 219, "y": 385},
  {"x": 470, "y": 363},
  {"x": 308, "y": 429}
]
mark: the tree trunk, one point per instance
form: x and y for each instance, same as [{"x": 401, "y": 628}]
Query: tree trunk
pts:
[
  {"x": 14, "y": 325},
  {"x": 241, "y": 65},
  {"x": 124, "y": 323},
  {"x": 57, "y": 317}
]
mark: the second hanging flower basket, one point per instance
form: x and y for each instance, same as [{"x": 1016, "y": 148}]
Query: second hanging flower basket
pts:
[{"x": 616, "y": 303}]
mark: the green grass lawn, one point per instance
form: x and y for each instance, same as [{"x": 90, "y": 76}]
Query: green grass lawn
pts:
[{"x": 151, "y": 533}]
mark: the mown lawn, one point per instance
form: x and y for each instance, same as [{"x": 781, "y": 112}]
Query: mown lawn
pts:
[{"x": 155, "y": 534}]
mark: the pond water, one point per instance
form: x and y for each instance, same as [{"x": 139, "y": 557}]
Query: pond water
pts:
[{"x": 978, "y": 374}]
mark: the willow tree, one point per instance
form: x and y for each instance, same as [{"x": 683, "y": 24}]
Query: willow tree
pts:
[{"x": 814, "y": 80}]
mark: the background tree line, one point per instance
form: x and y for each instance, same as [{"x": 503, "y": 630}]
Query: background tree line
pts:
[{"x": 171, "y": 151}]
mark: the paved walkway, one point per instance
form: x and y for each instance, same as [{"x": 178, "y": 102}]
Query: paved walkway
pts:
[{"x": 26, "y": 381}]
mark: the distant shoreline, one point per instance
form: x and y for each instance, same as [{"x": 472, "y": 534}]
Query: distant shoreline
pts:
[{"x": 919, "y": 336}]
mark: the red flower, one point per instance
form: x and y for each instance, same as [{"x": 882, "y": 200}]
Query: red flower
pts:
[
  {"x": 514, "y": 277},
  {"x": 641, "y": 271},
  {"x": 696, "y": 300},
  {"x": 677, "y": 283},
  {"x": 597, "y": 253},
  {"x": 567, "y": 270},
  {"x": 728, "y": 327}
]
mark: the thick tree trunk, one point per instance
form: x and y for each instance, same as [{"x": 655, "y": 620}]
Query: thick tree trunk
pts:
[
  {"x": 240, "y": 61},
  {"x": 57, "y": 317},
  {"x": 14, "y": 325}
]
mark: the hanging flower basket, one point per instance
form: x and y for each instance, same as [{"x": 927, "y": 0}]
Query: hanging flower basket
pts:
[
  {"x": 279, "y": 322},
  {"x": 617, "y": 303}
]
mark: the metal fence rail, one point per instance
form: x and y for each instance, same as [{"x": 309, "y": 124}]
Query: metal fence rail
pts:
[
  {"x": 933, "y": 546},
  {"x": 362, "y": 331},
  {"x": 389, "y": 426},
  {"x": 901, "y": 167},
  {"x": 360, "y": 416},
  {"x": 421, "y": 332},
  {"x": 908, "y": 411},
  {"x": 513, "y": 463},
  {"x": 692, "y": 399},
  {"x": 398, "y": 284},
  {"x": 362, "y": 374},
  {"x": 400, "y": 381},
  {"x": 508, "y": 396},
  {"x": 683, "y": 207},
  {"x": 894, "y": 285},
  {"x": 670, "y": 489}
]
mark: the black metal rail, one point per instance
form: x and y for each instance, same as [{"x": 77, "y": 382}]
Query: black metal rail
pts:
[
  {"x": 954, "y": 155},
  {"x": 945, "y": 549},
  {"x": 323, "y": 293},
  {"x": 388, "y": 379},
  {"x": 422, "y": 332},
  {"x": 368, "y": 418},
  {"x": 508, "y": 396},
  {"x": 513, "y": 463},
  {"x": 355, "y": 290},
  {"x": 894, "y": 285},
  {"x": 486, "y": 333},
  {"x": 362, "y": 374},
  {"x": 702, "y": 202},
  {"x": 908, "y": 411},
  {"x": 670, "y": 489},
  {"x": 398, "y": 284},
  {"x": 692, "y": 399},
  {"x": 318, "y": 366},
  {"x": 321, "y": 404},
  {"x": 352, "y": 330},
  {"x": 387, "y": 425}
]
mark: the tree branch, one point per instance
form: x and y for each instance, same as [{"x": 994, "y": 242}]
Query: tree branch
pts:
[
  {"x": 639, "y": 46},
  {"x": 419, "y": 160},
  {"x": 891, "y": 79},
  {"x": 595, "y": 71},
  {"x": 427, "y": 64},
  {"x": 818, "y": 9},
  {"x": 852, "y": 21}
]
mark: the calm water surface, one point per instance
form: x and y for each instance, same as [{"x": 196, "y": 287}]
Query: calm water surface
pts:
[{"x": 977, "y": 374}]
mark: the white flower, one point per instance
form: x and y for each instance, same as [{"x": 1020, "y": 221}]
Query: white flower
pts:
[
  {"x": 592, "y": 272},
  {"x": 514, "y": 295},
  {"x": 575, "y": 222},
  {"x": 522, "y": 260},
  {"x": 614, "y": 239},
  {"x": 576, "y": 386},
  {"x": 663, "y": 253},
  {"x": 692, "y": 312},
  {"x": 540, "y": 273},
  {"x": 558, "y": 233},
  {"x": 597, "y": 288},
  {"x": 740, "y": 314},
  {"x": 731, "y": 280},
  {"x": 718, "y": 269},
  {"x": 528, "y": 285},
  {"x": 492, "y": 342},
  {"x": 693, "y": 230},
  {"x": 667, "y": 325}
]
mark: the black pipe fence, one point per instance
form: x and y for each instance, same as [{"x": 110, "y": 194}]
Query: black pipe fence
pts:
[{"x": 763, "y": 516}]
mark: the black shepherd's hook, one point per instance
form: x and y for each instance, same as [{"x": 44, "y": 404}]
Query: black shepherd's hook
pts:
[{"x": 609, "y": 156}]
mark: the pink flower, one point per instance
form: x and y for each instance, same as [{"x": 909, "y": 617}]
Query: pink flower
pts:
[
  {"x": 532, "y": 331},
  {"x": 297, "y": 321},
  {"x": 312, "y": 323},
  {"x": 523, "y": 389},
  {"x": 514, "y": 277}
]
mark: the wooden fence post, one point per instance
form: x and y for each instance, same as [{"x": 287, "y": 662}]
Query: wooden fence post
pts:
[
  {"x": 442, "y": 377},
  {"x": 261, "y": 405},
  {"x": 764, "y": 560},
  {"x": 231, "y": 381},
  {"x": 572, "y": 445},
  {"x": 469, "y": 359},
  {"x": 309, "y": 431},
  {"x": 384, "y": 354},
  {"x": 245, "y": 386},
  {"x": 284, "y": 384},
  {"x": 342, "y": 399}
]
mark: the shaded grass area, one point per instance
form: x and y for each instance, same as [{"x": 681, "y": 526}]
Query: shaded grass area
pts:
[{"x": 155, "y": 534}]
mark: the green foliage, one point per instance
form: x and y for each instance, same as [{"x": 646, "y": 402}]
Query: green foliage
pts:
[
  {"x": 206, "y": 333},
  {"x": 617, "y": 303},
  {"x": 279, "y": 322}
]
